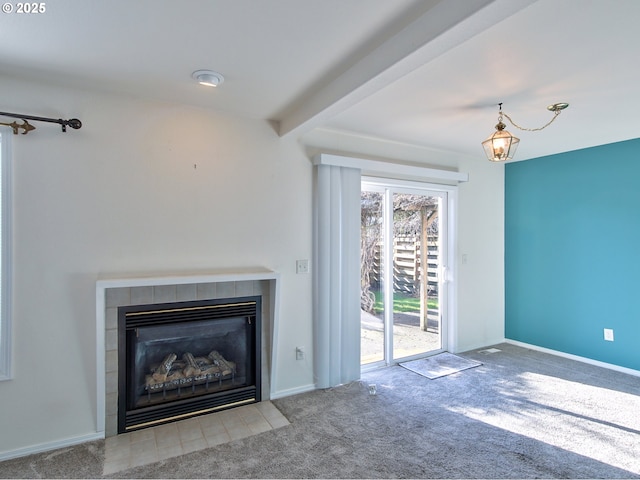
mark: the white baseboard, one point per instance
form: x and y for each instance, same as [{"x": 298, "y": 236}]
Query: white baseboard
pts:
[
  {"x": 67, "y": 442},
  {"x": 45, "y": 447},
  {"x": 476, "y": 346},
  {"x": 292, "y": 391},
  {"x": 570, "y": 356}
]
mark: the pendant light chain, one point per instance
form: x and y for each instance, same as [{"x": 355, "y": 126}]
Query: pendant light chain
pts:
[{"x": 556, "y": 113}]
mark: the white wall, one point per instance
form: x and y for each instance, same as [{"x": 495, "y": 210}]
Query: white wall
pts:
[
  {"x": 480, "y": 216},
  {"x": 142, "y": 187},
  {"x": 107, "y": 198},
  {"x": 481, "y": 239}
]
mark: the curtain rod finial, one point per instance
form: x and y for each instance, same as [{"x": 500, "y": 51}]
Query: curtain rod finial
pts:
[{"x": 75, "y": 123}]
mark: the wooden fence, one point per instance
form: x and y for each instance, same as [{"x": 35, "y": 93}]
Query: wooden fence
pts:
[{"x": 407, "y": 263}]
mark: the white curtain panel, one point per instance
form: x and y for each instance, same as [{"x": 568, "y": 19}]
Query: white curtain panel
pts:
[{"x": 336, "y": 310}]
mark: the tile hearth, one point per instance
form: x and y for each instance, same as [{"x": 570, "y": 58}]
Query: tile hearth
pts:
[{"x": 151, "y": 445}]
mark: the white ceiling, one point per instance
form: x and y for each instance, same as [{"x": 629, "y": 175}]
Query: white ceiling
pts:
[{"x": 422, "y": 72}]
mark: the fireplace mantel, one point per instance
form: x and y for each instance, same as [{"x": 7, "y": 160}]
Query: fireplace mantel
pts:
[
  {"x": 214, "y": 276},
  {"x": 114, "y": 283}
]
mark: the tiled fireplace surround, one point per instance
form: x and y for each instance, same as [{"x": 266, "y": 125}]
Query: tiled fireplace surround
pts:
[{"x": 112, "y": 293}]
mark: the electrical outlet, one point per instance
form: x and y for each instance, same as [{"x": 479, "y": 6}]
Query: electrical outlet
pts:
[
  {"x": 302, "y": 266},
  {"x": 608, "y": 334},
  {"x": 299, "y": 353}
]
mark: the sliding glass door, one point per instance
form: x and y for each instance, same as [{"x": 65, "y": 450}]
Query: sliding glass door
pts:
[{"x": 403, "y": 255}]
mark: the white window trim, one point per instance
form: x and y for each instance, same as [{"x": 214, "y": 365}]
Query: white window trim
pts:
[
  {"x": 397, "y": 171},
  {"x": 6, "y": 372}
]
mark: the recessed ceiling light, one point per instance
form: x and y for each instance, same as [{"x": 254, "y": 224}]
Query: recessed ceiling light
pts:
[{"x": 208, "y": 77}]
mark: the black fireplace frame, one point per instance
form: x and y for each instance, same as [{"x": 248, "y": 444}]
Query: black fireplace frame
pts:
[{"x": 132, "y": 317}]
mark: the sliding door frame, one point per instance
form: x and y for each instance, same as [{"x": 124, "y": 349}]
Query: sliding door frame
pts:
[{"x": 448, "y": 266}]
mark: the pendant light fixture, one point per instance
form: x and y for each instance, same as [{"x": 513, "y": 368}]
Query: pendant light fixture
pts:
[{"x": 501, "y": 145}]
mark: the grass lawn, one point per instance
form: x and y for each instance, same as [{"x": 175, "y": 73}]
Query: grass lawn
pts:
[{"x": 403, "y": 303}]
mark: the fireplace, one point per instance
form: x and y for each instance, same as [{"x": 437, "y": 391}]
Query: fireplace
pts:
[{"x": 182, "y": 359}]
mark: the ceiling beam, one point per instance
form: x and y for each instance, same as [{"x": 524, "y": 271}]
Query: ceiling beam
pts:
[{"x": 441, "y": 28}]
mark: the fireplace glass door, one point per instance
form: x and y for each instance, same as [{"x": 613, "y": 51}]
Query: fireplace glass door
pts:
[{"x": 185, "y": 359}]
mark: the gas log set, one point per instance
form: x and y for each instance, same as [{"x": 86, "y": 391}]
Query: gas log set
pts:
[{"x": 174, "y": 374}]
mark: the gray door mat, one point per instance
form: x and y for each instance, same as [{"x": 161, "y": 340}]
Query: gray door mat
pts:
[{"x": 439, "y": 365}]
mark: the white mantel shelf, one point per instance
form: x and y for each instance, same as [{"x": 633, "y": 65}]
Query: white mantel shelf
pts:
[{"x": 180, "y": 278}]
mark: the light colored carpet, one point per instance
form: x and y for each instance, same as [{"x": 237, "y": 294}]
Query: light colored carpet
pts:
[
  {"x": 440, "y": 365},
  {"x": 521, "y": 414}
]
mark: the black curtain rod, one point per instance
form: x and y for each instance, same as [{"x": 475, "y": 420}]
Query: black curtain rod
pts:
[{"x": 73, "y": 122}]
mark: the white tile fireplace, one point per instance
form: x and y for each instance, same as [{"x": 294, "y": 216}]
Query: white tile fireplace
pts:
[{"x": 122, "y": 291}]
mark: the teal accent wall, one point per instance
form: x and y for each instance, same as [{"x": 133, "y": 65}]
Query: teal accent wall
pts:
[{"x": 572, "y": 252}]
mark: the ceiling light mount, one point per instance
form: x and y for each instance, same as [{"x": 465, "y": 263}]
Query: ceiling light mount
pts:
[
  {"x": 556, "y": 107},
  {"x": 208, "y": 78},
  {"x": 501, "y": 145}
]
